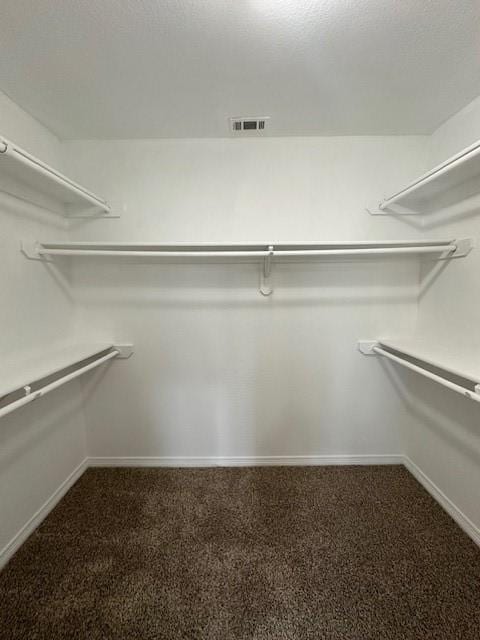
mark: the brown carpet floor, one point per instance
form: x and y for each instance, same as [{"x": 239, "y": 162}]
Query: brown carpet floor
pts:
[{"x": 260, "y": 554}]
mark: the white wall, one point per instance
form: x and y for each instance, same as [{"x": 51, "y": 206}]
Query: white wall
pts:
[
  {"x": 443, "y": 436},
  {"x": 40, "y": 445},
  {"x": 456, "y": 133},
  {"x": 219, "y": 370}
]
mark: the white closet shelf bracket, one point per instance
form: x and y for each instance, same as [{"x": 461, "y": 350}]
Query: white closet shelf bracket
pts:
[
  {"x": 460, "y": 169},
  {"x": 377, "y": 348},
  {"x": 76, "y": 200},
  {"x": 124, "y": 351},
  {"x": 29, "y": 392}
]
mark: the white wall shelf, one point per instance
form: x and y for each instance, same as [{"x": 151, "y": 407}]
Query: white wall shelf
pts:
[
  {"x": 24, "y": 382},
  {"x": 257, "y": 251},
  {"x": 416, "y": 197},
  {"x": 450, "y": 366},
  {"x": 76, "y": 200}
]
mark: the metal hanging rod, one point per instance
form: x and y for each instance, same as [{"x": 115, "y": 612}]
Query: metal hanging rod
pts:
[
  {"x": 369, "y": 347},
  {"x": 246, "y": 254},
  {"x": 120, "y": 351},
  {"x": 452, "y": 248},
  {"x": 151, "y": 254},
  {"x": 20, "y": 164}
]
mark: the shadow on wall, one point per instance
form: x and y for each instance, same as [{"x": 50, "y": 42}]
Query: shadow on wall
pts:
[
  {"x": 36, "y": 422},
  {"x": 119, "y": 284},
  {"x": 443, "y": 411},
  {"x": 431, "y": 271},
  {"x": 219, "y": 385},
  {"x": 32, "y": 207}
]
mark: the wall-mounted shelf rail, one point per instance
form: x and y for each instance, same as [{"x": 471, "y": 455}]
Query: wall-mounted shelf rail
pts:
[
  {"x": 461, "y": 168},
  {"x": 18, "y": 389},
  {"x": 440, "y": 368},
  {"x": 266, "y": 251},
  {"x": 76, "y": 200}
]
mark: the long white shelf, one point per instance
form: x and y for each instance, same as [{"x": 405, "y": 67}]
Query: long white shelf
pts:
[
  {"x": 443, "y": 248},
  {"x": 41, "y": 365},
  {"x": 458, "y": 360},
  {"x": 28, "y": 381},
  {"x": 26, "y": 169},
  {"x": 454, "y": 366},
  {"x": 461, "y": 168},
  {"x": 266, "y": 251}
]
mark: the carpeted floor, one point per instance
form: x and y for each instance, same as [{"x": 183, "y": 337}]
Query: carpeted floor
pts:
[{"x": 301, "y": 553}]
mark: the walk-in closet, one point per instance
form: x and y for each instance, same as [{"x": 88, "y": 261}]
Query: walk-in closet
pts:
[{"x": 239, "y": 320}]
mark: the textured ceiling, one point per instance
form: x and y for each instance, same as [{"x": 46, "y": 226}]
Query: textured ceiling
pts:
[{"x": 180, "y": 68}]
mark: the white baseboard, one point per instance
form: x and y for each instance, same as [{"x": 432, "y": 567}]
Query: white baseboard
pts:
[
  {"x": 29, "y": 527},
  {"x": 244, "y": 461},
  {"x": 460, "y": 518}
]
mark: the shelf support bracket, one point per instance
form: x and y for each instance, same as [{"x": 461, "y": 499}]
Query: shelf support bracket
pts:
[
  {"x": 366, "y": 347},
  {"x": 30, "y": 251},
  {"x": 124, "y": 350},
  {"x": 265, "y": 283},
  {"x": 376, "y": 209},
  {"x": 464, "y": 246}
]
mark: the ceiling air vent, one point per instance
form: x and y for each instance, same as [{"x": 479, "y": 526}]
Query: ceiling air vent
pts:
[{"x": 248, "y": 126}]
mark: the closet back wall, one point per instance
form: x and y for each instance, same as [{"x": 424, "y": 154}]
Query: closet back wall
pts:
[
  {"x": 220, "y": 371},
  {"x": 44, "y": 442}
]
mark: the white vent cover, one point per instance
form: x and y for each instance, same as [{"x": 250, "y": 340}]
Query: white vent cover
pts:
[{"x": 249, "y": 126}]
